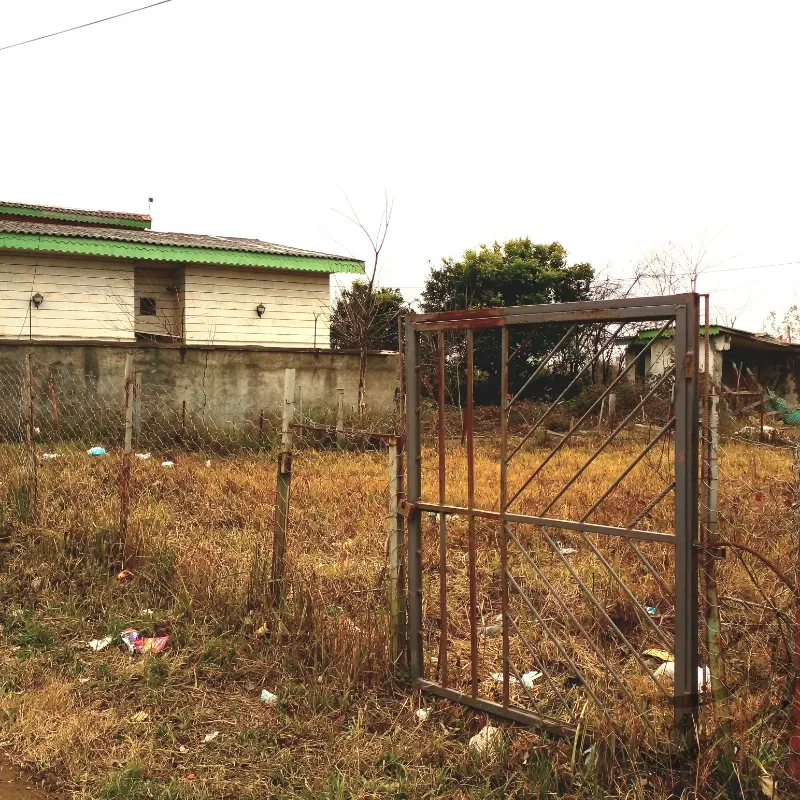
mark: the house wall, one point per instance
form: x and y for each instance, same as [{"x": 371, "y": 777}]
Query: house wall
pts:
[
  {"x": 219, "y": 307},
  {"x": 155, "y": 282},
  {"x": 83, "y": 298},
  {"x": 661, "y": 356}
]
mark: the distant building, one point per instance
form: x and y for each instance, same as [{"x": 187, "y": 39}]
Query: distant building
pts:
[
  {"x": 71, "y": 274},
  {"x": 736, "y": 358}
]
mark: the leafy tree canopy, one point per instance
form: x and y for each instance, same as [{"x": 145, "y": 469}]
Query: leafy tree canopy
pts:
[
  {"x": 358, "y": 311},
  {"x": 517, "y": 272}
]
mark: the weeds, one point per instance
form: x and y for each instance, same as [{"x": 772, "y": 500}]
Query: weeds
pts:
[{"x": 198, "y": 545}]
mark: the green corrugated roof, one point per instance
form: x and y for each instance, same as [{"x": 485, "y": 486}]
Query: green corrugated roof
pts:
[
  {"x": 651, "y": 333},
  {"x": 160, "y": 246}
]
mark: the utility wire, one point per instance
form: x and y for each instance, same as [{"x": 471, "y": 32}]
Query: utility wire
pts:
[{"x": 85, "y": 25}]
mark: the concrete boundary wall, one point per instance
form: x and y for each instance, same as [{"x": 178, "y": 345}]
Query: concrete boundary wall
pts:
[{"x": 231, "y": 383}]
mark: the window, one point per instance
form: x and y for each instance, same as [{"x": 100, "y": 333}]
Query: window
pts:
[{"x": 147, "y": 306}]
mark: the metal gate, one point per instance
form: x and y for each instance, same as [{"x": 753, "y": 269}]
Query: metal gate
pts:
[{"x": 596, "y": 619}]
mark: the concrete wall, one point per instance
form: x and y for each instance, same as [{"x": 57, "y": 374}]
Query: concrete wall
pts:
[{"x": 222, "y": 384}]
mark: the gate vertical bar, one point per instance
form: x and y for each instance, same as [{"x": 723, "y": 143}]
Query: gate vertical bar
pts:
[
  {"x": 473, "y": 589},
  {"x": 414, "y": 469},
  {"x": 397, "y": 559},
  {"x": 443, "y": 626},
  {"x": 503, "y": 505},
  {"x": 686, "y": 508}
]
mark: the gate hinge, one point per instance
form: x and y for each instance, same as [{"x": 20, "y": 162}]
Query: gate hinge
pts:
[{"x": 688, "y": 365}]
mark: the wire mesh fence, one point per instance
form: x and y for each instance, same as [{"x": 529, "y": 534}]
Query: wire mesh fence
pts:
[
  {"x": 591, "y": 619},
  {"x": 131, "y": 476}
]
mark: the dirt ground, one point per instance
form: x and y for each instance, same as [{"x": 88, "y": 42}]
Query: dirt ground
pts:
[{"x": 15, "y": 785}]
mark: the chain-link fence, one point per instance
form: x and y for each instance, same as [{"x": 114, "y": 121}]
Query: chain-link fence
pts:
[
  {"x": 130, "y": 477},
  {"x": 749, "y": 537}
]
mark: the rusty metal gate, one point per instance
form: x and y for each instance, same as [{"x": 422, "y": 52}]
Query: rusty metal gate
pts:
[{"x": 552, "y": 568}]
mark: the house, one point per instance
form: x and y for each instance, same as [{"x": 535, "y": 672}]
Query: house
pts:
[
  {"x": 738, "y": 359},
  {"x": 72, "y": 274}
]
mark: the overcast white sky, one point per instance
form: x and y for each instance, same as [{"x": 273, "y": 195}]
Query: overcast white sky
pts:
[{"x": 610, "y": 127}]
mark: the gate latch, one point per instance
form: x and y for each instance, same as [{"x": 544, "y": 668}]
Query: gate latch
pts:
[{"x": 406, "y": 509}]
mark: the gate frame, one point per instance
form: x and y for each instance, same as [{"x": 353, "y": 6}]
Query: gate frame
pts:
[{"x": 684, "y": 310}]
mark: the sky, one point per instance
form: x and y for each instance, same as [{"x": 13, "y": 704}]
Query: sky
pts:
[{"x": 613, "y": 128}]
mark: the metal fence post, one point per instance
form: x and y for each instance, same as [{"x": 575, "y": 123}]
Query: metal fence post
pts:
[
  {"x": 686, "y": 502},
  {"x": 125, "y": 478},
  {"x": 414, "y": 471},
  {"x": 283, "y": 489},
  {"x": 30, "y": 431},
  {"x": 397, "y": 590}
]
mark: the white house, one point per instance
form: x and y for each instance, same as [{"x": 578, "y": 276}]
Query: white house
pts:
[
  {"x": 72, "y": 274},
  {"x": 738, "y": 359}
]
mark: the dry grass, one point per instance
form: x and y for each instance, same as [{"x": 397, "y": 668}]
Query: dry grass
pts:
[{"x": 199, "y": 547}]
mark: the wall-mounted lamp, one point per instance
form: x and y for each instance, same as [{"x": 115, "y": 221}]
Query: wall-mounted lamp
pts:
[
  {"x": 37, "y": 299},
  {"x": 260, "y": 310}
]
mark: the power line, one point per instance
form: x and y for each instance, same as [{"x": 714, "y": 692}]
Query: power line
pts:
[{"x": 85, "y": 25}]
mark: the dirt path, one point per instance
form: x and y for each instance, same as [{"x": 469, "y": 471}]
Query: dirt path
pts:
[{"x": 14, "y": 786}]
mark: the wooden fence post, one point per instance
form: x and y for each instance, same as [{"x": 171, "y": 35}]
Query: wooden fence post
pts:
[
  {"x": 340, "y": 418},
  {"x": 51, "y": 385},
  {"x": 283, "y": 489},
  {"x": 125, "y": 479},
  {"x": 137, "y": 405},
  {"x": 397, "y": 560},
  {"x": 30, "y": 431}
]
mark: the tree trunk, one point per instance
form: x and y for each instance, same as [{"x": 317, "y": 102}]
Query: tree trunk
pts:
[{"x": 362, "y": 381}]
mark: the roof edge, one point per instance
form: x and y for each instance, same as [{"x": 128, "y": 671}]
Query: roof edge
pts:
[
  {"x": 117, "y": 220},
  {"x": 67, "y": 245}
]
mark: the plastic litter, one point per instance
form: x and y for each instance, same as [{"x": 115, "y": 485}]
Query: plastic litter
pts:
[
  {"x": 209, "y": 737},
  {"x": 487, "y": 739},
  {"x": 208, "y": 462},
  {"x": 143, "y": 456},
  {"x": 124, "y": 575},
  {"x": 565, "y": 551},
  {"x": 167, "y": 463},
  {"x": 268, "y": 698},
  {"x": 660, "y": 655},
  {"x": 147, "y": 612},
  {"x": 422, "y": 714},
  {"x": 49, "y": 456},
  {"x": 488, "y": 631},
  {"x": 97, "y": 451},
  {"x": 140, "y": 716},
  {"x": 667, "y": 670},
  {"x": 529, "y": 678},
  {"x": 651, "y": 610},
  {"x": 100, "y": 644},
  {"x": 136, "y": 643}
]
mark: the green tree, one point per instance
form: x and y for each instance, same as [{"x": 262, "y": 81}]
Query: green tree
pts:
[
  {"x": 379, "y": 306},
  {"x": 517, "y": 272}
]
